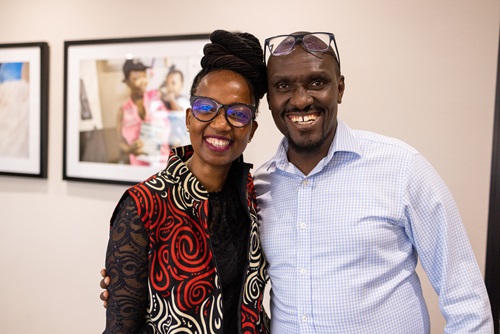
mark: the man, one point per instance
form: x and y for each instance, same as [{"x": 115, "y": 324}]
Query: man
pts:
[{"x": 344, "y": 214}]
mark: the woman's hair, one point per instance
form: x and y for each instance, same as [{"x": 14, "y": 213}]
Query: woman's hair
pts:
[{"x": 237, "y": 52}]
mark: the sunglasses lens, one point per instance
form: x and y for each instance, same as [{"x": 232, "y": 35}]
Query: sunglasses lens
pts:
[
  {"x": 312, "y": 42},
  {"x": 239, "y": 115},
  {"x": 316, "y": 42},
  {"x": 204, "y": 109},
  {"x": 281, "y": 45}
]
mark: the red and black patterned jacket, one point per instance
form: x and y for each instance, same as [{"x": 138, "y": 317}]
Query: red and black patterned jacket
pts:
[{"x": 184, "y": 286}]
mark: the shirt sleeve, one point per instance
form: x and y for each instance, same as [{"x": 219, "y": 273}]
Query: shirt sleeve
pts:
[
  {"x": 127, "y": 264},
  {"x": 439, "y": 236}
]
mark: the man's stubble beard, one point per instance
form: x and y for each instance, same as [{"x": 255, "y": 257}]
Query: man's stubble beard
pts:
[{"x": 305, "y": 148}]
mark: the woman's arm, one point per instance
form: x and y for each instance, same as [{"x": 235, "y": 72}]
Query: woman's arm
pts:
[{"x": 127, "y": 266}]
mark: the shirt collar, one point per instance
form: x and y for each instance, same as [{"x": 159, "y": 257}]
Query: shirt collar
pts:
[{"x": 344, "y": 141}]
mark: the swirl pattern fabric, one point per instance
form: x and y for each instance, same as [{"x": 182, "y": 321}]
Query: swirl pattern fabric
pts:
[{"x": 183, "y": 283}]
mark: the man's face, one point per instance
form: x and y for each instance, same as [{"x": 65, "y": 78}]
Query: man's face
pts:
[
  {"x": 137, "y": 82},
  {"x": 304, "y": 93}
]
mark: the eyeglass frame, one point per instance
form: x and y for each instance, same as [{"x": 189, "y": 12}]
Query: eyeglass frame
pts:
[
  {"x": 252, "y": 108},
  {"x": 300, "y": 39}
]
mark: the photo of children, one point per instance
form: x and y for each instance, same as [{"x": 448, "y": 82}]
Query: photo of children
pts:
[{"x": 138, "y": 109}]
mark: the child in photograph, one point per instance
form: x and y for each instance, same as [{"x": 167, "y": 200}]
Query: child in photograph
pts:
[
  {"x": 143, "y": 124},
  {"x": 171, "y": 91},
  {"x": 176, "y": 102}
]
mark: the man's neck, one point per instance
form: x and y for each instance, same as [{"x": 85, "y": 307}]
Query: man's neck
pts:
[{"x": 305, "y": 162}]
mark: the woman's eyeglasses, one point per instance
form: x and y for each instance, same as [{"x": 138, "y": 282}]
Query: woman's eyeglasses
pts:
[
  {"x": 206, "y": 109},
  {"x": 313, "y": 42}
]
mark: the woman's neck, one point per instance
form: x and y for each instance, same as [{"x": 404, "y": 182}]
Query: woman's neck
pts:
[{"x": 212, "y": 178}]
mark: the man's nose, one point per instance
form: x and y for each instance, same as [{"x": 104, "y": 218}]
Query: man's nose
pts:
[{"x": 301, "y": 98}]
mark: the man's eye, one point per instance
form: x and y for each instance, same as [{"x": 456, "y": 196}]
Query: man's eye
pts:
[
  {"x": 282, "y": 86},
  {"x": 317, "y": 83}
]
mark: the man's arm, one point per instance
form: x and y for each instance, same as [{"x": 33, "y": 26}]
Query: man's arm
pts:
[
  {"x": 104, "y": 285},
  {"x": 444, "y": 250}
]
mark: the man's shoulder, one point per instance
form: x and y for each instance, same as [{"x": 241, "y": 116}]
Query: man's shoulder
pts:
[
  {"x": 269, "y": 165},
  {"x": 374, "y": 141},
  {"x": 263, "y": 169}
]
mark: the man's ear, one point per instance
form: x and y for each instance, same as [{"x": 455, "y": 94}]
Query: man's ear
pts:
[{"x": 341, "y": 89}]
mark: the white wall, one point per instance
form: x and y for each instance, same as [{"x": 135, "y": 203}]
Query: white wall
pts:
[{"x": 423, "y": 71}]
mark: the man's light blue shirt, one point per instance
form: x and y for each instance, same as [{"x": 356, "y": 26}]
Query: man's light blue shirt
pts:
[{"x": 343, "y": 242}]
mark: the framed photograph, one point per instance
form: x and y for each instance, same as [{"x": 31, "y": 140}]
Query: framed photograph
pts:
[
  {"x": 24, "y": 86},
  {"x": 125, "y": 104}
]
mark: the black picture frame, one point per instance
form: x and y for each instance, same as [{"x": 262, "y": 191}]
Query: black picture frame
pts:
[
  {"x": 96, "y": 95},
  {"x": 24, "y": 100}
]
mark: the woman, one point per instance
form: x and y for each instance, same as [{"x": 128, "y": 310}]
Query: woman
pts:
[{"x": 184, "y": 253}]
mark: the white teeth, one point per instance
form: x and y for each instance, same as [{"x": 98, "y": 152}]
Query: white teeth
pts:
[
  {"x": 218, "y": 142},
  {"x": 306, "y": 119}
]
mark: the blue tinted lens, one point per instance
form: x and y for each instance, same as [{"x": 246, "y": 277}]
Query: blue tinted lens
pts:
[
  {"x": 316, "y": 42},
  {"x": 205, "y": 109},
  {"x": 203, "y": 106},
  {"x": 284, "y": 46},
  {"x": 239, "y": 114}
]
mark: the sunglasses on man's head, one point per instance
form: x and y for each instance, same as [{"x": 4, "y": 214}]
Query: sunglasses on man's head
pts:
[
  {"x": 313, "y": 42},
  {"x": 205, "y": 109}
]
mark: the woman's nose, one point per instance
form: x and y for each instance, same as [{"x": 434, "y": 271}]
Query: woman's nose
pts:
[{"x": 220, "y": 122}]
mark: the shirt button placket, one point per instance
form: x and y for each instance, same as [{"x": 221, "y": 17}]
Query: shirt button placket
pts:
[{"x": 304, "y": 297}]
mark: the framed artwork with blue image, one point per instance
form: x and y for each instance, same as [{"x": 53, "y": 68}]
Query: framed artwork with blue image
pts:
[{"x": 24, "y": 86}]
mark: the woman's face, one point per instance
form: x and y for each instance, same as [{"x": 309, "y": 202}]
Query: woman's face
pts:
[{"x": 216, "y": 143}]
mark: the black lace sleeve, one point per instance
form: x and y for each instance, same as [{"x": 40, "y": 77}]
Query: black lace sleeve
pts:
[{"x": 127, "y": 264}]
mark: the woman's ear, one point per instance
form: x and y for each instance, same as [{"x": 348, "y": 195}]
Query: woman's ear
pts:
[
  {"x": 188, "y": 118},
  {"x": 255, "y": 125}
]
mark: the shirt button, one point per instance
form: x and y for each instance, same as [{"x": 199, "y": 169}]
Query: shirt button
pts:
[
  {"x": 305, "y": 182},
  {"x": 303, "y": 271},
  {"x": 303, "y": 225},
  {"x": 304, "y": 317}
]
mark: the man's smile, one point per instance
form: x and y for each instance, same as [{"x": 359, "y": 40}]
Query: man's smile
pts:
[{"x": 303, "y": 119}]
